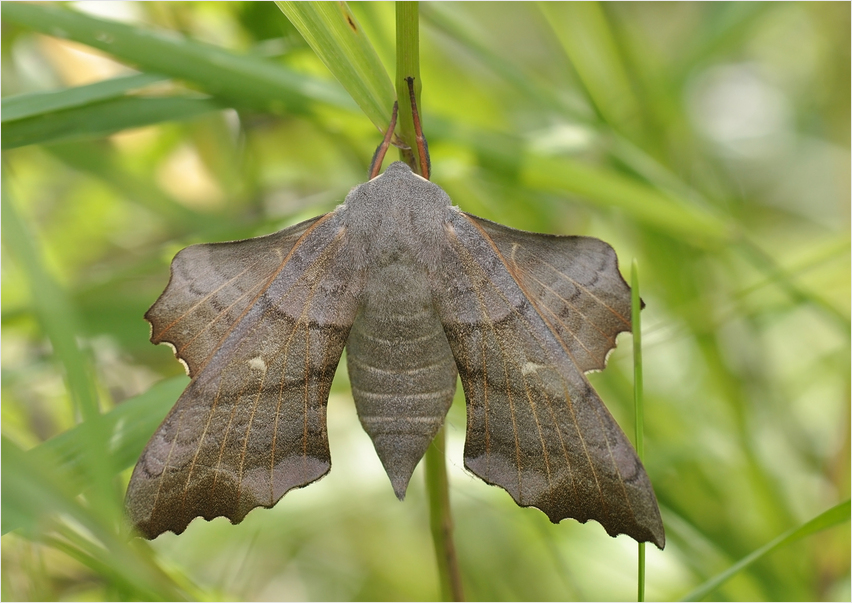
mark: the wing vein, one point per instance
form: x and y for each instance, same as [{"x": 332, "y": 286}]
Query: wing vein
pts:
[{"x": 618, "y": 315}]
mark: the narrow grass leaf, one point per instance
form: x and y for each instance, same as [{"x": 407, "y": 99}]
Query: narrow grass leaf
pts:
[
  {"x": 608, "y": 188},
  {"x": 61, "y": 325},
  {"x": 585, "y": 35},
  {"x": 834, "y": 516},
  {"x": 334, "y": 34},
  {"x": 725, "y": 25},
  {"x": 39, "y": 103},
  {"x": 36, "y": 496},
  {"x": 638, "y": 389},
  {"x": 101, "y": 119},
  {"x": 129, "y": 426},
  {"x": 31, "y": 491},
  {"x": 53, "y": 308},
  {"x": 452, "y": 24}
]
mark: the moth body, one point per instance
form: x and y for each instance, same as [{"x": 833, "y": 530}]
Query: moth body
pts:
[{"x": 400, "y": 364}]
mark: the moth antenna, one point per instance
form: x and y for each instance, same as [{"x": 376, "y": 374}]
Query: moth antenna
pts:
[
  {"x": 379, "y": 155},
  {"x": 422, "y": 147}
]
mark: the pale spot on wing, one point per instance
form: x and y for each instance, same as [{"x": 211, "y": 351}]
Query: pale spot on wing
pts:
[
  {"x": 257, "y": 364},
  {"x": 531, "y": 367}
]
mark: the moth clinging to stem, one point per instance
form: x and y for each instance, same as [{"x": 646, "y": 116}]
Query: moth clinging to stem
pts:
[{"x": 418, "y": 292}]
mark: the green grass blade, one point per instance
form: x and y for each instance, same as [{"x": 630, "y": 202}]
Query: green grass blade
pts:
[
  {"x": 597, "y": 186},
  {"x": 770, "y": 268},
  {"x": 834, "y": 516},
  {"x": 608, "y": 188},
  {"x": 31, "y": 105},
  {"x": 35, "y": 494},
  {"x": 334, "y": 34},
  {"x": 638, "y": 381},
  {"x": 725, "y": 26},
  {"x": 128, "y": 427},
  {"x": 585, "y": 35},
  {"x": 61, "y": 325},
  {"x": 53, "y": 308},
  {"x": 443, "y": 18},
  {"x": 638, "y": 389},
  {"x": 26, "y": 498},
  {"x": 101, "y": 119},
  {"x": 243, "y": 80}
]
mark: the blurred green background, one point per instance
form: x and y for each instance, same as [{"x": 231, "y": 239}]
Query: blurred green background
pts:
[{"x": 708, "y": 140}]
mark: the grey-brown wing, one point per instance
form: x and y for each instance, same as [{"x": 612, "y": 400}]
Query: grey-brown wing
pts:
[
  {"x": 251, "y": 424},
  {"x": 535, "y": 426},
  {"x": 211, "y": 287},
  {"x": 575, "y": 284}
]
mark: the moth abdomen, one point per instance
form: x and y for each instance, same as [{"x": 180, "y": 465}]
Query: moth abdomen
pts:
[{"x": 400, "y": 365}]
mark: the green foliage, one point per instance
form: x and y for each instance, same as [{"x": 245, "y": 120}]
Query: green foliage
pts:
[{"x": 694, "y": 137}]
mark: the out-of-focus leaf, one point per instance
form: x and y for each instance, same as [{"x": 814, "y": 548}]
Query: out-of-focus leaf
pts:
[
  {"x": 585, "y": 35},
  {"x": 27, "y": 496},
  {"x": 836, "y": 515},
  {"x": 53, "y": 308},
  {"x": 102, "y": 161},
  {"x": 101, "y": 119},
  {"x": 35, "y": 493},
  {"x": 243, "y": 80},
  {"x": 451, "y": 24},
  {"x": 39, "y": 103},
  {"x": 129, "y": 425},
  {"x": 335, "y": 36},
  {"x": 609, "y": 188},
  {"x": 61, "y": 325}
]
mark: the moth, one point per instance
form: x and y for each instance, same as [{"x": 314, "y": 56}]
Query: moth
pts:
[{"x": 417, "y": 292}]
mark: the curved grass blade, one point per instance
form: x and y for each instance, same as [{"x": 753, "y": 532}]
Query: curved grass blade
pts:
[
  {"x": 101, "y": 119},
  {"x": 128, "y": 427},
  {"x": 588, "y": 41},
  {"x": 607, "y": 187},
  {"x": 334, "y": 34},
  {"x": 834, "y": 516},
  {"x": 41, "y": 103},
  {"x": 35, "y": 494},
  {"x": 61, "y": 325}
]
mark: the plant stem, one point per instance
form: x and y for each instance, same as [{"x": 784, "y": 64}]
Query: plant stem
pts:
[
  {"x": 636, "y": 307},
  {"x": 441, "y": 521},
  {"x": 407, "y": 65},
  {"x": 440, "y": 516}
]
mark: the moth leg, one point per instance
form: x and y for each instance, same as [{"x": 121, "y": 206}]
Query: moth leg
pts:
[
  {"x": 379, "y": 155},
  {"x": 422, "y": 147}
]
